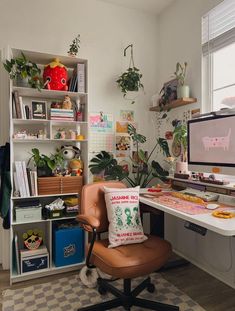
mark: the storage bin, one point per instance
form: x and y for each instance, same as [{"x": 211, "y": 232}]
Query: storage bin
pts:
[
  {"x": 60, "y": 185},
  {"x": 68, "y": 246},
  {"x": 23, "y": 214},
  {"x": 47, "y": 214},
  {"x": 34, "y": 263}
]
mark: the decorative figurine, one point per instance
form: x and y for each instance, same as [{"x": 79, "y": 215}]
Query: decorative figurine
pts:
[
  {"x": 55, "y": 76},
  {"x": 76, "y": 167},
  {"x": 67, "y": 104},
  {"x": 33, "y": 239}
]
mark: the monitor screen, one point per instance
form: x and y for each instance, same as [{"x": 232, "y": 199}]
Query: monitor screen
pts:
[{"x": 211, "y": 143}]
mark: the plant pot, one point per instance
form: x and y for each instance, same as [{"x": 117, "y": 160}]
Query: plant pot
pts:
[
  {"x": 23, "y": 82},
  {"x": 183, "y": 91},
  {"x": 182, "y": 167},
  {"x": 44, "y": 171},
  {"x": 132, "y": 95}
]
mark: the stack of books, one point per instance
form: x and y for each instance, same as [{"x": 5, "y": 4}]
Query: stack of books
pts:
[
  {"x": 25, "y": 180},
  {"x": 62, "y": 114}
]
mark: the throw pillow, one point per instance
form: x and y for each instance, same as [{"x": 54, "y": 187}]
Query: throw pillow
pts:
[{"x": 124, "y": 216}]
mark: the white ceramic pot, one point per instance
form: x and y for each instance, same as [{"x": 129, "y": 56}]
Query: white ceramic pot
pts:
[
  {"x": 183, "y": 91},
  {"x": 182, "y": 167},
  {"x": 132, "y": 95}
]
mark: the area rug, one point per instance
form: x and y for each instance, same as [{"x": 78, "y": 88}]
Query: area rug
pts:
[{"x": 68, "y": 294}]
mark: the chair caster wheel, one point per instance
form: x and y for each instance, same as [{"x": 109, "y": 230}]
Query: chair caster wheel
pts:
[
  {"x": 102, "y": 290},
  {"x": 151, "y": 288}
]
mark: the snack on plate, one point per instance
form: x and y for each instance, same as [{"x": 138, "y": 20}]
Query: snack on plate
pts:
[
  {"x": 187, "y": 197},
  {"x": 223, "y": 214}
]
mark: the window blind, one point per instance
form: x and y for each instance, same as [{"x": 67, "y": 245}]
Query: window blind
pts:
[{"x": 218, "y": 27}]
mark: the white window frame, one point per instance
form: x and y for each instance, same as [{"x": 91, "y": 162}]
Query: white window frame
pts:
[{"x": 218, "y": 31}]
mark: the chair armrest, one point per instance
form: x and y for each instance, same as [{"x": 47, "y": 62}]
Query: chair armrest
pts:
[{"x": 91, "y": 221}]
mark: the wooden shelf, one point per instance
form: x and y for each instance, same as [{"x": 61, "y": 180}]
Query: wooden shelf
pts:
[{"x": 175, "y": 103}]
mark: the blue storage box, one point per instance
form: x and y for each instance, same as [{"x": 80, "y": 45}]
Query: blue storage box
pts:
[{"x": 68, "y": 247}]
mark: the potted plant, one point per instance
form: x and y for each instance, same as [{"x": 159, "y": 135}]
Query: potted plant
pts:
[
  {"x": 180, "y": 137},
  {"x": 130, "y": 80},
  {"x": 24, "y": 72},
  {"x": 46, "y": 166},
  {"x": 145, "y": 168},
  {"x": 73, "y": 50},
  {"x": 180, "y": 73}
]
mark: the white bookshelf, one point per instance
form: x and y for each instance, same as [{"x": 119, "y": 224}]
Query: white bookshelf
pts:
[{"x": 21, "y": 148}]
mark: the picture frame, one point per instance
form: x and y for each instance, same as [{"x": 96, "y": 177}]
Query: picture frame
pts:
[{"x": 39, "y": 109}]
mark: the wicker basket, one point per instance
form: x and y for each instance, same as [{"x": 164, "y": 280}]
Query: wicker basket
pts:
[{"x": 60, "y": 185}]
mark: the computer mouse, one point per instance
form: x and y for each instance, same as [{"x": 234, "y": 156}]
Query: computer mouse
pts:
[{"x": 212, "y": 206}]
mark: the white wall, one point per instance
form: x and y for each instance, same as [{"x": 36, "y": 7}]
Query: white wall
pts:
[
  {"x": 105, "y": 29},
  {"x": 180, "y": 40}
]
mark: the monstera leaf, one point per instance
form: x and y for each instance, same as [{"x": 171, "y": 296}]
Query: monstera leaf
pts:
[
  {"x": 115, "y": 172},
  {"x": 138, "y": 138},
  {"x": 159, "y": 172},
  {"x": 101, "y": 162},
  {"x": 164, "y": 146}
]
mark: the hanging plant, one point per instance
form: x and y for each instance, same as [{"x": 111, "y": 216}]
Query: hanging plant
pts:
[
  {"x": 130, "y": 80},
  {"x": 74, "y": 46}
]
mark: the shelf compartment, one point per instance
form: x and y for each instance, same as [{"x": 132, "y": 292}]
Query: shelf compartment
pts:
[
  {"x": 44, "y": 196},
  {"x": 47, "y": 94},
  {"x": 175, "y": 104},
  {"x": 53, "y": 270},
  {"x": 42, "y": 220},
  {"x": 46, "y": 140}
]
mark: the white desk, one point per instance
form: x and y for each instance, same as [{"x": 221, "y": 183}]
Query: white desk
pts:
[{"x": 224, "y": 227}]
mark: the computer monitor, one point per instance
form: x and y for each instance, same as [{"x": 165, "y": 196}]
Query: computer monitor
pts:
[{"x": 211, "y": 144}]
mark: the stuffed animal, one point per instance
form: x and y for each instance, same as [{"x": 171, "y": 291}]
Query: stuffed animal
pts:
[
  {"x": 69, "y": 153},
  {"x": 76, "y": 167},
  {"x": 67, "y": 104},
  {"x": 55, "y": 76}
]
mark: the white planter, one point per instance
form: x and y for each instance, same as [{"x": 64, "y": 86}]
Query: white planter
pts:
[
  {"x": 132, "y": 95},
  {"x": 182, "y": 167},
  {"x": 183, "y": 91}
]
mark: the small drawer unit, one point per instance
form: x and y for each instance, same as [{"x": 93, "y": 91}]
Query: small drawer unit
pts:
[
  {"x": 60, "y": 185},
  {"x": 68, "y": 245}
]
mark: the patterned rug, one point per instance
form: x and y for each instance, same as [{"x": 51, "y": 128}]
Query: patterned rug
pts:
[{"x": 68, "y": 294}]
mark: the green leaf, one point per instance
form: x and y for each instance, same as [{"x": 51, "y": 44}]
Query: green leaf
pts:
[{"x": 164, "y": 146}]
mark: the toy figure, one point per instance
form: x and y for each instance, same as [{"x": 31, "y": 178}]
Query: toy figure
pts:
[
  {"x": 55, "y": 76},
  {"x": 67, "y": 104},
  {"x": 69, "y": 153},
  {"x": 76, "y": 167}
]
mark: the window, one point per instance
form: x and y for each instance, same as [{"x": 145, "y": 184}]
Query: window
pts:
[{"x": 218, "y": 64}]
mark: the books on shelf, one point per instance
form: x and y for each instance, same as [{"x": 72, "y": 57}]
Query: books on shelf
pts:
[
  {"x": 62, "y": 114},
  {"x": 25, "y": 180},
  {"x": 77, "y": 81},
  {"x": 19, "y": 109},
  {"x": 81, "y": 78}
]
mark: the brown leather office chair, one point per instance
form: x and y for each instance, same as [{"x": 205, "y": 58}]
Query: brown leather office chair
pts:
[{"x": 126, "y": 262}]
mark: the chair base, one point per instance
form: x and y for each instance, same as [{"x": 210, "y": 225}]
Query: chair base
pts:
[{"x": 128, "y": 297}]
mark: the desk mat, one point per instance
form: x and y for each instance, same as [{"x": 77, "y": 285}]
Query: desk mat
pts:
[{"x": 184, "y": 206}]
